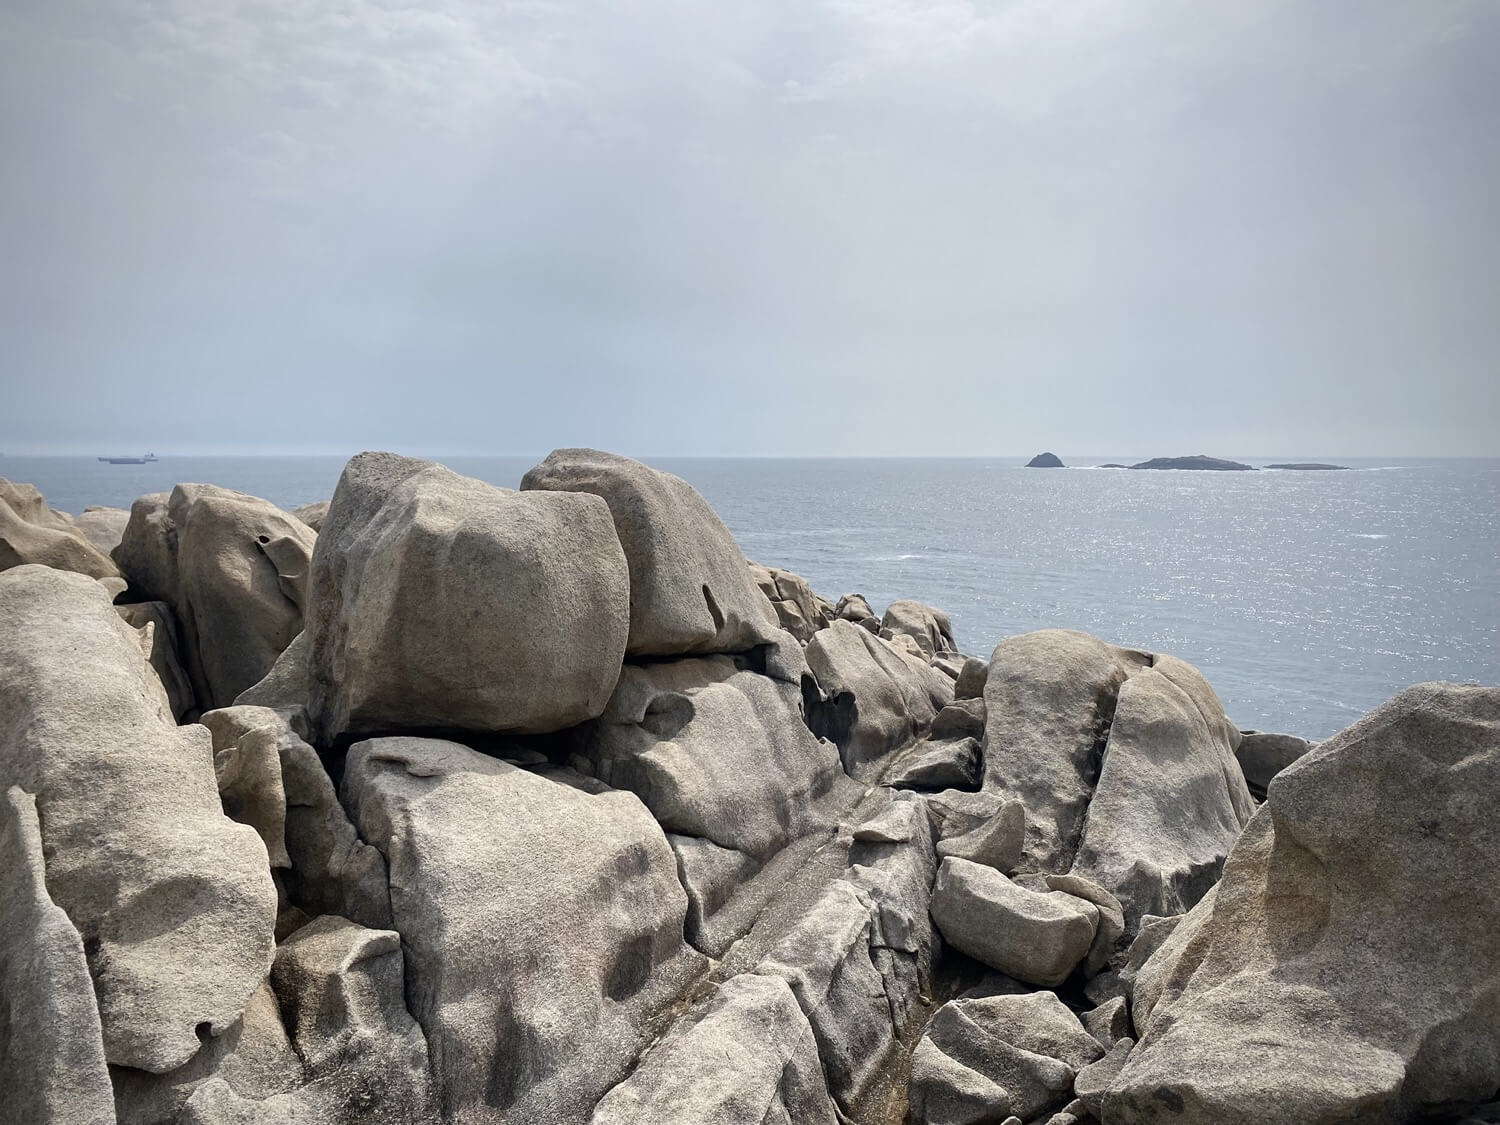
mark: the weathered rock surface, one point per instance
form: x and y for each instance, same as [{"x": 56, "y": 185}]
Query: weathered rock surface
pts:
[
  {"x": 284, "y": 792},
  {"x": 1262, "y": 756},
  {"x": 798, "y": 609},
  {"x": 174, "y": 902},
  {"x": 746, "y": 1055},
  {"x": 718, "y": 752},
  {"x": 1037, "y": 937},
  {"x": 983, "y": 1059},
  {"x": 441, "y": 602},
  {"x": 103, "y": 527},
  {"x": 826, "y": 960},
  {"x": 996, "y": 841},
  {"x": 930, "y": 628},
  {"x": 341, "y": 987},
  {"x": 1049, "y": 699},
  {"x": 1125, "y": 762},
  {"x": 1347, "y": 968},
  {"x": 691, "y": 590},
  {"x": 930, "y": 764},
  {"x": 31, "y": 532},
  {"x": 1170, "y": 800},
  {"x": 565, "y": 904},
  {"x": 313, "y": 514},
  {"x": 233, "y": 567},
  {"x": 875, "y": 698},
  {"x": 285, "y": 686},
  {"x": 51, "y": 1048},
  {"x": 165, "y": 652}
]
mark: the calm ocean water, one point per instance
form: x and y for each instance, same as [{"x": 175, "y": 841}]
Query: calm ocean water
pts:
[{"x": 1307, "y": 598}]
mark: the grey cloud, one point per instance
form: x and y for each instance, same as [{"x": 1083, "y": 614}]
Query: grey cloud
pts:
[{"x": 847, "y": 226}]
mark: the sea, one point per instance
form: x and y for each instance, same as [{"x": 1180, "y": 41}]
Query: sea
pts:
[{"x": 1306, "y": 598}]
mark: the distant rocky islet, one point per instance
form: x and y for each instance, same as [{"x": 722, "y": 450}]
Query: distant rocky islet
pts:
[
  {"x": 1198, "y": 461},
  {"x": 442, "y": 802}
]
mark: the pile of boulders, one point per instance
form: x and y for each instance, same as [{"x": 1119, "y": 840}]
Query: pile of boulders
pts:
[{"x": 442, "y": 802}]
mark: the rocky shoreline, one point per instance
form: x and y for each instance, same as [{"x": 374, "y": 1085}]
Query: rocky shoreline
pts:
[{"x": 441, "y": 802}]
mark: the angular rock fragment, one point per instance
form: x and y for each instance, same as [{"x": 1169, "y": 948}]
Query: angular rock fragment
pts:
[
  {"x": 981, "y": 1059},
  {"x": 174, "y": 902},
  {"x": 929, "y": 628},
  {"x": 995, "y": 842},
  {"x": 1347, "y": 966},
  {"x": 233, "y": 567},
  {"x": 313, "y": 514},
  {"x": 932, "y": 764},
  {"x": 51, "y": 1048},
  {"x": 564, "y": 904},
  {"x": 441, "y": 602},
  {"x": 797, "y": 608},
  {"x": 962, "y": 718},
  {"x": 1035, "y": 937},
  {"x": 746, "y": 1055},
  {"x": 691, "y": 590},
  {"x": 876, "y": 699}
]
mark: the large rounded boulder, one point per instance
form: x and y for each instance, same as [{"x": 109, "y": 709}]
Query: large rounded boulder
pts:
[
  {"x": 441, "y": 602},
  {"x": 691, "y": 590}
]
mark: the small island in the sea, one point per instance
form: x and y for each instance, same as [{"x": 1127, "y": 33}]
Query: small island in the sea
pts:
[
  {"x": 1201, "y": 461},
  {"x": 1307, "y": 466},
  {"x": 1045, "y": 461}
]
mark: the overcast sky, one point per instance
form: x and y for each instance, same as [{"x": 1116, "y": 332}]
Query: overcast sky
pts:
[{"x": 791, "y": 227}]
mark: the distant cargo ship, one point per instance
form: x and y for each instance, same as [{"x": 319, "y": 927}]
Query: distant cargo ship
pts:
[{"x": 130, "y": 460}]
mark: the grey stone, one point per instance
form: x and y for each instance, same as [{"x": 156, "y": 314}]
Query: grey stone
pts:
[
  {"x": 285, "y": 686},
  {"x": 717, "y": 752},
  {"x": 565, "y": 904},
  {"x": 45, "y": 537},
  {"x": 165, "y": 653},
  {"x": 1150, "y": 972},
  {"x": 995, "y": 842},
  {"x": 441, "y": 602},
  {"x": 710, "y": 875},
  {"x": 1035, "y": 937},
  {"x": 855, "y": 608},
  {"x": 51, "y": 1047},
  {"x": 341, "y": 986},
  {"x": 934, "y": 764},
  {"x": 1049, "y": 698},
  {"x": 797, "y": 608},
  {"x": 962, "y": 718},
  {"x": 174, "y": 902},
  {"x": 1348, "y": 965},
  {"x": 103, "y": 527},
  {"x": 972, "y": 678},
  {"x": 1109, "y": 1022},
  {"x": 252, "y": 1059},
  {"x": 876, "y": 699},
  {"x": 328, "y": 868},
  {"x": 826, "y": 960},
  {"x": 1092, "y": 1081},
  {"x": 691, "y": 590},
  {"x": 313, "y": 514},
  {"x": 981, "y": 1059},
  {"x": 1111, "y": 917},
  {"x": 1171, "y": 799},
  {"x": 930, "y": 628},
  {"x": 1263, "y": 756},
  {"x": 746, "y": 1055},
  {"x": 233, "y": 567}
]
